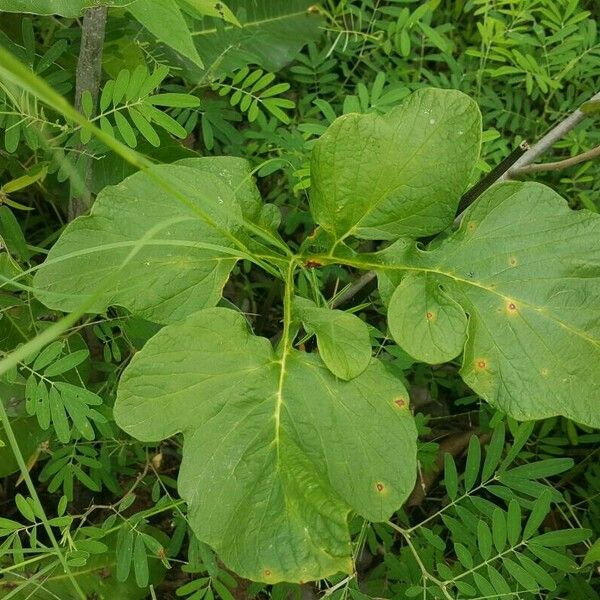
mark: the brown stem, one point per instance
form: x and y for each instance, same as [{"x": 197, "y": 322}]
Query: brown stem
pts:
[
  {"x": 88, "y": 74},
  {"x": 558, "y": 165},
  {"x": 548, "y": 140}
]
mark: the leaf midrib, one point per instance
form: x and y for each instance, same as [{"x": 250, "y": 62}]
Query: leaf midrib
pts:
[{"x": 452, "y": 276}]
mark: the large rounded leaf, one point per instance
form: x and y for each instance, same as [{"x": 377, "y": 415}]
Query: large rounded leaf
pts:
[
  {"x": 401, "y": 174},
  {"x": 526, "y": 270},
  {"x": 161, "y": 244},
  {"x": 277, "y": 451}
]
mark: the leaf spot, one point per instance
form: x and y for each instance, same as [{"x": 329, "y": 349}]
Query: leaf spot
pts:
[
  {"x": 471, "y": 226},
  {"x": 512, "y": 261},
  {"x": 267, "y": 573},
  {"x": 481, "y": 364},
  {"x": 512, "y": 307},
  {"x": 429, "y": 315},
  {"x": 545, "y": 372},
  {"x": 380, "y": 487},
  {"x": 400, "y": 402},
  {"x": 312, "y": 264}
]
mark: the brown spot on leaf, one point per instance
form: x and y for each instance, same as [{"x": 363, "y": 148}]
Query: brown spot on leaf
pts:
[
  {"x": 400, "y": 402},
  {"x": 512, "y": 307},
  {"x": 471, "y": 226},
  {"x": 481, "y": 364},
  {"x": 267, "y": 573},
  {"x": 429, "y": 315},
  {"x": 312, "y": 264},
  {"x": 512, "y": 261},
  {"x": 380, "y": 487}
]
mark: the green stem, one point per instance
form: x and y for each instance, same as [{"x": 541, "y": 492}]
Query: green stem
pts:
[
  {"x": 32, "y": 491},
  {"x": 442, "y": 585}
]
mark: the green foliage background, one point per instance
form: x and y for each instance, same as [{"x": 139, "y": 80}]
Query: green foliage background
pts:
[{"x": 517, "y": 518}]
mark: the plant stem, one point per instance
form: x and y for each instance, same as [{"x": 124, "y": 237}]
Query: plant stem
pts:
[
  {"x": 560, "y": 164},
  {"x": 426, "y": 574},
  {"x": 548, "y": 140},
  {"x": 87, "y": 78}
]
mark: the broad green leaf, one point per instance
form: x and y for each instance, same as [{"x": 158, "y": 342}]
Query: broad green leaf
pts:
[
  {"x": 342, "y": 338},
  {"x": 401, "y": 174},
  {"x": 211, "y": 8},
  {"x": 64, "y": 8},
  {"x": 438, "y": 332},
  {"x": 277, "y": 451},
  {"x": 164, "y": 20},
  {"x": 526, "y": 269},
  {"x": 271, "y": 35},
  {"x": 159, "y": 254}
]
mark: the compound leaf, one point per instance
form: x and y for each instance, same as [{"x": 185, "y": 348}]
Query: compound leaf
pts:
[{"x": 277, "y": 451}]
